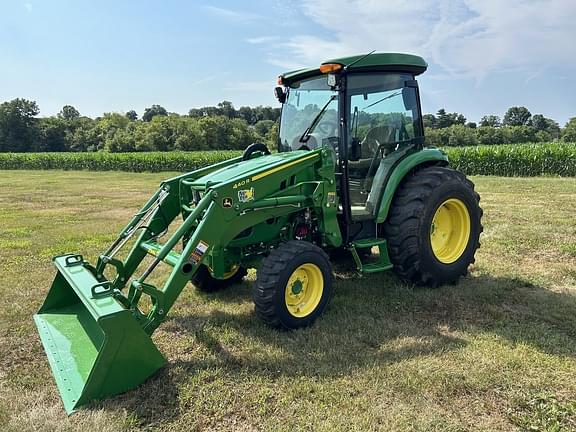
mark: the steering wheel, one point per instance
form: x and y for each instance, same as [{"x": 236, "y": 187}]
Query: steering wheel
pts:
[
  {"x": 327, "y": 127},
  {"x": 375, "y": 136}
]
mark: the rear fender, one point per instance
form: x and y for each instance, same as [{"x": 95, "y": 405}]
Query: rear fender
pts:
[{"x": 402, "y": 168}]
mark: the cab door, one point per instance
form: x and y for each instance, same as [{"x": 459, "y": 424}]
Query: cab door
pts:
[{"x": 383, "y": 118}]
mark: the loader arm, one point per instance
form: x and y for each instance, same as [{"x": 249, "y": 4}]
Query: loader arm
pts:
[
  {"x": 211, "y": 224},
  {"x": 231, "y": 213}
]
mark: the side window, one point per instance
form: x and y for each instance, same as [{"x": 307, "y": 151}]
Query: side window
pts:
[{"x": 380, "y": 120}]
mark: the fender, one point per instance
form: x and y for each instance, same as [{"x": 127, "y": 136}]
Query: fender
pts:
[{"x": 400, "y": 167}]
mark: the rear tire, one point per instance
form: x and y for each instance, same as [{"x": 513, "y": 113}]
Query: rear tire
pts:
[
  {"x": 293, "y": 285},
  {"x": 205, "y": 282},
  {"x": 433, "y": 226}
]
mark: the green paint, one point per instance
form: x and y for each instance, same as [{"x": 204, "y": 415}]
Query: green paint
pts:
[
  {"x": 383, "y": 262},
  {"x": 375, "y": 62},
  {"x": 95, "y": 347},
  {"x": 404, "y": 164},
  {"x": 297, "y": 287}
]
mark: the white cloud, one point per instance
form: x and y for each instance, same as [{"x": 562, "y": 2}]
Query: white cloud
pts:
[
  {"x": 465, "y": 37},
  {"x": 232, "y": 14},
  {"x": 262, "y": 40}
]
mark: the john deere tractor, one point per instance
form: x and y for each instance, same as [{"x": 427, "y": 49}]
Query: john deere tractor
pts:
[{"x": 351, "y": 173}]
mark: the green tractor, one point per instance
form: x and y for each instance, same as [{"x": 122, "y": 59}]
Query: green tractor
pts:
[{"x": 352, "y": 173}]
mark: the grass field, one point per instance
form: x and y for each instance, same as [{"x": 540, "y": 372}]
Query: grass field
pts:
[{"x": 496, "y": 352}]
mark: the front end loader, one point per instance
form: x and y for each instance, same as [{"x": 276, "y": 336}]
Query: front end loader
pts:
[{"x": 352, "y": 173}]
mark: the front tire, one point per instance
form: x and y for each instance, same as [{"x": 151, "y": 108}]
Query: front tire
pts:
[
  {"x": 433, "y": 227},
  {"x": 293, "y": 285}
]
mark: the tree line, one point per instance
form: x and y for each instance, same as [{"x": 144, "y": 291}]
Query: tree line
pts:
[
  {"x": 220, "y": 127},
  {"x": 518, "y": 125},
  {"x": 223, "y": 127}
]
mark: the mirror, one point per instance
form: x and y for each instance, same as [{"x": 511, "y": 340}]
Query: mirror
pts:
[
  {"x": 409, "y": 98},
  {"x": 280, "y": 94}
]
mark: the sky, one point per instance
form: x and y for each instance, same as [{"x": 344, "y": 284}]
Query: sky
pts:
[{"x": 113, "y": 56}]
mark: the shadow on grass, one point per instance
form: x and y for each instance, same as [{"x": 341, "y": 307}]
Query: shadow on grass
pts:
[
  {"x": 372, "y": 321},
  {"x": 154, "y": 402},
  {"x": 378, "y": 319}
]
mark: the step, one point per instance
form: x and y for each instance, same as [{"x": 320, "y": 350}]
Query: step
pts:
[
  {"x": 376, "y": 267},
  {"x": 369, "y": 243},
  {"x": 383, "y": 262}
]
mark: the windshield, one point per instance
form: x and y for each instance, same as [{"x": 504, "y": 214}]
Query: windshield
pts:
[{"x": 303, "y": 123}]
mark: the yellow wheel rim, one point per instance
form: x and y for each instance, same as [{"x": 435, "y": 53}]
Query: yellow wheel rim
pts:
[
  {"x": 450, "y": 231},
  {"x": 233, "y": 270},
  {"x": 304, "y": 290}
]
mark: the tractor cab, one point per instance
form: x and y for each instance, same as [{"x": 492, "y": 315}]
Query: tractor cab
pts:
[{"x": 366, "y": 111}]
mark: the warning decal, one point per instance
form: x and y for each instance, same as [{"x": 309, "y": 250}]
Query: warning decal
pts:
[{"x": 200, "y": 250}]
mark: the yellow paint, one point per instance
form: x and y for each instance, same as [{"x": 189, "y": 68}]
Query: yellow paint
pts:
[
  {"x": 233, "y": 270},
  {"x": 273, "y": 170},
  {"x": 241, "y": 183},
  {"x": 304, "y": 290},
  {"x": 450, "y": 231}
]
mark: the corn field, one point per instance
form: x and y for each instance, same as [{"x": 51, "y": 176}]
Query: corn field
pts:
[
  {"x": 516, "y": 160},
  {"x": 522, "y": 160},
  {"x": 104, "y": 161}
]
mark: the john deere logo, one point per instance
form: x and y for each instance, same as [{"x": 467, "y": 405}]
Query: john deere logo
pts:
[
  {"x": 246, "y": 195},
  {"x": 227, "y": 202}
]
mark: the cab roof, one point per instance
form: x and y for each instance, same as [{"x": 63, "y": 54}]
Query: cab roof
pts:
[{"x": 396, "y": 62}]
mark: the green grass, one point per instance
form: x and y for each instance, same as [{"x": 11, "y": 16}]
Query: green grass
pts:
[
  {"x": 495, "y": 352},
  {"x": 504, "y": 160}
]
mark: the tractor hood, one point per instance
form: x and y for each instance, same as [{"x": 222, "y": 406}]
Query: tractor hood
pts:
[{"x": 255, "y": 167}]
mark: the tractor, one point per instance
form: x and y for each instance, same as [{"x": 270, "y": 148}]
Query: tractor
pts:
[{"x": 352, "y": 174}]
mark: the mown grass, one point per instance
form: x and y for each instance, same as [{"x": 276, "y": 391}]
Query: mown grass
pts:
[
  {"x": 503, "y": 160},
  {"x": 495, "y": 352}
]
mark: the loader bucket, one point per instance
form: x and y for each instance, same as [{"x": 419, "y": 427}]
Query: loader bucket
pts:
[{"x": 95, "y": 346}]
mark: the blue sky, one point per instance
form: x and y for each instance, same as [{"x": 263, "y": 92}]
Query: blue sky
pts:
[{"x": 103, "y": 56}]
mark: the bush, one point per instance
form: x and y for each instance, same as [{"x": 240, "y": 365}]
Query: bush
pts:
[
  {"x": 459, "y": 135},
  {"x": 569, "y": 133},
  {"x": 488, "y": 135}
]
